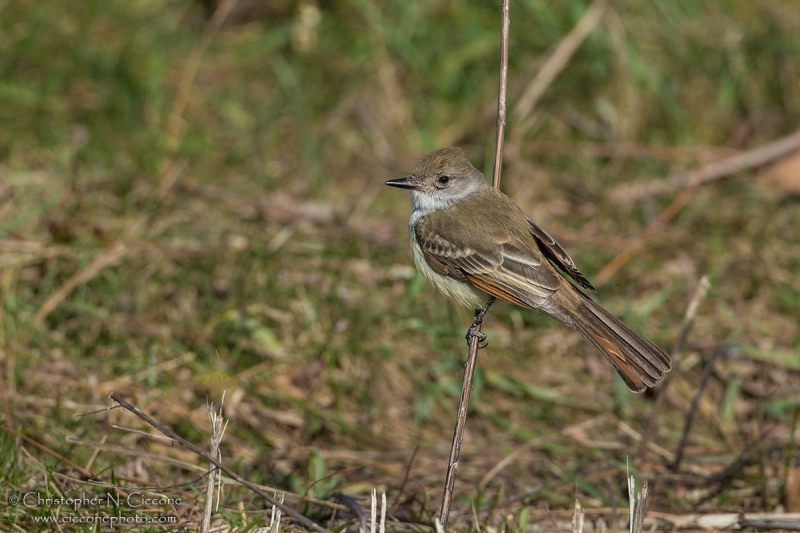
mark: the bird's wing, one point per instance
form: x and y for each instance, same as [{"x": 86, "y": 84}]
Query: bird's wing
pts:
[
  {"x": 507, "y": 268},
  {"x": 558, "y": 256}
]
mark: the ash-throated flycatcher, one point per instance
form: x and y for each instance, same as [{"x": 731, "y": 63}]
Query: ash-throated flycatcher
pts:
[{"x": 475, "y": 244}]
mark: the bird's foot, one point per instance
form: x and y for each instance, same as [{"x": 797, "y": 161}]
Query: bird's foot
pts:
[
  {"x": 474, "y": 332},
  {"x": 474, "y": 329}
]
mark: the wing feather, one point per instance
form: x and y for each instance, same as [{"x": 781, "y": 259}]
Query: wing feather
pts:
[
  {"x": 508, "y": 268},
  {"x": 559, "y": 256}
]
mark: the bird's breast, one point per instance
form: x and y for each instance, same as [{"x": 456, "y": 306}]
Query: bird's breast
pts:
[{"x": 463, "y": 293}]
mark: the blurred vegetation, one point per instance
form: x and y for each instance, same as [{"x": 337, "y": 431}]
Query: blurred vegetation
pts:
[{"x": 264, "y": 258}]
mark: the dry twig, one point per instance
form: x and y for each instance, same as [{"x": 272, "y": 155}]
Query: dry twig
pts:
[
  {"x": 502, "y": 90},
  {"x": 108, "y": 257},
  {"x": 169, "y": 172},
  {"x": 400, "y": 491},
  {"x": 558, "y": 60},
  {"x": 213, "y": 460},
  {"x": 628, "y": 150},
  {"x": 458, "y": 432},
  {"x": 688, "y": 321},
  {"x": 730, "y": 521},
  {"x": 719, "y": 169},
  {"x": 720, "y": 350},
  {"x": 52, "y": 453},
  {"x": 474, "y": 342},
  {"x": 690, "y": 181},
  {"x": 295, "y": 499},
  {"x": 507, "y": 460},
  {"x": 654, "y": 227}
]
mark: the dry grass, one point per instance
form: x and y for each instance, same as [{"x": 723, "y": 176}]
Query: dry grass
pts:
[{"x": 264, "y": 259}]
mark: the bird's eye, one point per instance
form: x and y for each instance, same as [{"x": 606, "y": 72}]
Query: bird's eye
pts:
[{"x": 443, "y": 180}]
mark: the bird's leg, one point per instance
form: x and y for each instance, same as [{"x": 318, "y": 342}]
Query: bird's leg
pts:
[{"x": 473, "y": 330}]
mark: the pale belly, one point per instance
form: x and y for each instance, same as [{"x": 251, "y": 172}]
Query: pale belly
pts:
[{"x": 463, "y": 293}]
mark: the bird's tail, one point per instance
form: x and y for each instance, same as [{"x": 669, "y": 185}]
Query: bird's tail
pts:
[{"x": 639, "y": 362}]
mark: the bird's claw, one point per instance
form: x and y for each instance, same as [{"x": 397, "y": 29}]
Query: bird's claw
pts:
[
  {"x": 473, "y": 332},
  {"x": 474, "y": 329}
]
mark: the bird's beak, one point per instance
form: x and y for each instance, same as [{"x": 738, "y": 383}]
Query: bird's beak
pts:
[{"x": 404, "y": 183}]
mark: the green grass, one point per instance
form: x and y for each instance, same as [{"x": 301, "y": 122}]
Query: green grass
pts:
[{"x": 276, "y": 268}]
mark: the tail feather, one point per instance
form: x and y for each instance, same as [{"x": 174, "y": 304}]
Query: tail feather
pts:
[{"x": 639, "y": 362}]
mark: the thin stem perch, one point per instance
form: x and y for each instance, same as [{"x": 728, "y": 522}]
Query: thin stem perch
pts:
[{"x": 474, "y": 341}]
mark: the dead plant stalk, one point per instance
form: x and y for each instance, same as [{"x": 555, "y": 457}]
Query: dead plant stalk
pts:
[
  {"x": 474, "y": 343},
  {"x": 214, "y": 461}
]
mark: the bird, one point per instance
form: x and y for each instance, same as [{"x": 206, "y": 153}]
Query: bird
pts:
[{"x": 476, "y": 245}]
